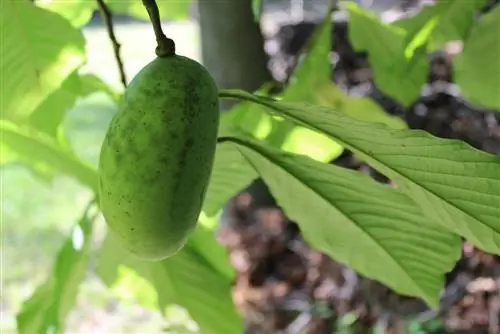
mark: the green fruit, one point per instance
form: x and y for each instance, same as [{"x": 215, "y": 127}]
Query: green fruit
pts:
[{"x": 157, "y": 156}]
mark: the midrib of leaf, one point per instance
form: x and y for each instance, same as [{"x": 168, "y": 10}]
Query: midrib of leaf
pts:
[
  {"x": 383, "y": 166},
  {"x": 282, "y": 108}
]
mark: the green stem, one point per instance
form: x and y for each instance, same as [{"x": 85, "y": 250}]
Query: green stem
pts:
[{"x": 166, "y": 46}]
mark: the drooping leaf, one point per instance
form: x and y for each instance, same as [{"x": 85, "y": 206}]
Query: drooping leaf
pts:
[
  {"x": 185, "y": 279},
  {"x": 399, "y": 70},
  {"x": 450, "y": 180},
  {"x": 373, "y": 228},
  {"x": 477, "y": 67},
  {"x": 39, "y": 148},
  {"x": 45, "y": 311},
  {"x": 169, "y": 9},
  {"x": 40, "y": 50},
  {"x": 78, "y": 12}
]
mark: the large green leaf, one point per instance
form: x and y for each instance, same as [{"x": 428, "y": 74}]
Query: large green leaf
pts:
[
  {"x": 169, "y": 9},
  {"x": 477, "y": 68},
  {"x": 451, "y": 181},
  {"x": 39, "y": 50},
  {"x": 39, "y": 148},
  {"x": 371, "y": 227},
  {"x": 399, "y": 70},
  {"x": 45, "y": 311},
  {"x": 186, "y": 279},
  {"x": 78, "y": 12}
]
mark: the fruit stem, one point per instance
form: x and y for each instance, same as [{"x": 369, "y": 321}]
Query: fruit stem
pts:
[{"x": 166, "y": 46}]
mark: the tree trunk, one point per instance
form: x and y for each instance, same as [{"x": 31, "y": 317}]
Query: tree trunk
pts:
[
  {"x": 233, "y": 51},
  {"x": 232, "y": 45}
]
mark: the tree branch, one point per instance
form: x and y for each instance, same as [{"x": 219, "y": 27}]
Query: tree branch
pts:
[{"x": 107, "y": 16}]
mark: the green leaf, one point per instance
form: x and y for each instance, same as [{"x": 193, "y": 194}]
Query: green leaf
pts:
[
  {"x": 477, "y": 67},
  {"x": 399, "y": 70},
  {"x": 230, "y": 174},
  {"x": 40, "y": 51},
  {"x": 92, "y": 84},
  {"x": 169, "y": 9},
  {"x": 49, "y": 114},
  {"x": 311, "y": 74},
  {"x": 185, "y": 279},
  {"x": 203, "y": 238},
  {"x": 370, "y": 227},
  {"x": 45, "y": 311},
  {"x": 451, "y": 20},
  {"x": 78, "y": 12},
  {"x": 315, "y": 67},
  {"x": 360, "y": 108},
  {"x": 39, "y": 148},
  {"x": 257, "y": 9},
  {"x": 450, "y": 180}
]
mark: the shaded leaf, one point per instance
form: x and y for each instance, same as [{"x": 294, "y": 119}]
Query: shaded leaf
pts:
[
  {"x": 39, "y": 148},
  {"x": 370, "y": 227},
  {"x": 360, "y": 108},
  {"x": 185, "y": 279},
  {"x": 45, "y": 311},
  {"x": 230, "y": 174},
  {"x": 78, "y": 12},
  {"x": 399, "y": 71},
  {"x": 169, "y": 9},
  {"x": 477, "y": 67},
  {"x": 451, "y": 181},
  {"x": 40, "y": 51}
]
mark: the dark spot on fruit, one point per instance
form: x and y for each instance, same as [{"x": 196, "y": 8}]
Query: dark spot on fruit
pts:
[{"x": 132, "y": 229}]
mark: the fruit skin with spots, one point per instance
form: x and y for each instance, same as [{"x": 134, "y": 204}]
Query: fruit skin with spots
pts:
[{"x": 157, "y": 156}]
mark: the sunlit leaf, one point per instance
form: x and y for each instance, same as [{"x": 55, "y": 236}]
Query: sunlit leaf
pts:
[
  {"x": 398, "y": 71},
  {"x": 39, "y": 148},
  {"x": 40, "y": 51},
  {"x": 45, "y": 311},
  {"x": 451, "y": 20},
  {"x": 78, "y": 12}
]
